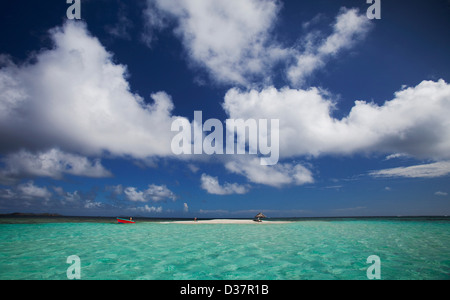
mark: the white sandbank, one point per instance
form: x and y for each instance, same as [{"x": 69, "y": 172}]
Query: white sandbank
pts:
[{"x": 226, "y": 221}]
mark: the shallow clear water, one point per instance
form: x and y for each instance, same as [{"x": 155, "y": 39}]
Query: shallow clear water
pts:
[{"x": 413, "y": 249}]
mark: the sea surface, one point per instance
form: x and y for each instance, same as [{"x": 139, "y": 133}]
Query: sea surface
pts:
[{"x": 408, "y": 248}]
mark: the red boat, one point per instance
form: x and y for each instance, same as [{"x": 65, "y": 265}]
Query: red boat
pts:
[{"x": 125, "y": 221}]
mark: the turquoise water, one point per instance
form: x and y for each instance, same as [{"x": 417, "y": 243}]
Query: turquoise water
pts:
[{"x": 412, "y": 249}]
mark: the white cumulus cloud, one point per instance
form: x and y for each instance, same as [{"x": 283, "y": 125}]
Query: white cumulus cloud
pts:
[
  {"x": 231, "y": 39},
  {"x": 277, "y": 175},
  {"x": 212, "y": 186},
  {"x": 53, "y": 163},
  {"x": 350, "y": 26},
  {"x": 81, "y": 100},
  {"x": 152, "y": 193},
  {"x": 234, "y": 41},
  {"x": 29, "y": 190},
  {"x": 414, "y": 123}
]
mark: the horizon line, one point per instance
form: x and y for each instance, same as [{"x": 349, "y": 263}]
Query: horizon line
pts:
[{"x": 56, "y": 215}]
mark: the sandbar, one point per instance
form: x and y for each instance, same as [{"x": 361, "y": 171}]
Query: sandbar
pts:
[{"x": 226, "y": 221}]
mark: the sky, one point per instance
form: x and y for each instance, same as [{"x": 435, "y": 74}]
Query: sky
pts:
[{"x": 92, "y": 108}]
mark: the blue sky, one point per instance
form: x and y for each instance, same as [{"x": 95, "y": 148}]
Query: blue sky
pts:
[{"x": 86, "y": 107}]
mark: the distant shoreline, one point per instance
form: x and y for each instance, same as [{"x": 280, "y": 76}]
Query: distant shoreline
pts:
[
  {"x": 56, "y": 216},
  {"x": 19, "y": 214}
]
